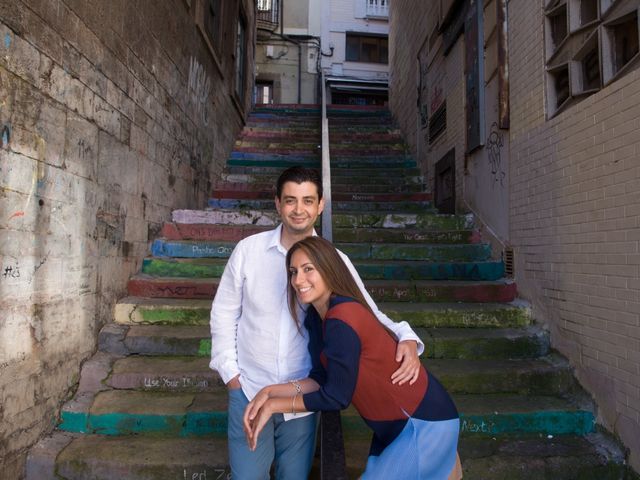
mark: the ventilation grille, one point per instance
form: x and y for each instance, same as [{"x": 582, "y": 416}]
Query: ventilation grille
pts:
[{"x": 508, "y": 262}]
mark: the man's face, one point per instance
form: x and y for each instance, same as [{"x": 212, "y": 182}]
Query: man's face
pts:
[{"x": 299, "y": 207}]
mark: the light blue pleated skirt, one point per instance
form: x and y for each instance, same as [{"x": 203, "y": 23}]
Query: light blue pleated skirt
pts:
[{"x": 424, "y": 450}]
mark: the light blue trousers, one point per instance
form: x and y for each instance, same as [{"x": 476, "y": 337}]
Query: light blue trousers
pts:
[{"x": 289, "y": 444}]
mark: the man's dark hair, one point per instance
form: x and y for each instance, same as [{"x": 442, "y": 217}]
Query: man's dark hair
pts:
[{"x": 298, "y": 175}]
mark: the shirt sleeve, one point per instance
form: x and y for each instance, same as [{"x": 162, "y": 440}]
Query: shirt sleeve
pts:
[
  {"x": 313, "y": 324},
  {"x": 402, "y": 330},
  {"x": 225, "y": 313},
  {"x": 342, "y": 351}
]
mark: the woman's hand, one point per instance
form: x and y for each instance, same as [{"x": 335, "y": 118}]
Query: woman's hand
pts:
[
  {"x": 407, "y": 353},
  {"x": 255, "y": 422},
  {"x": 251, "y": 412}
]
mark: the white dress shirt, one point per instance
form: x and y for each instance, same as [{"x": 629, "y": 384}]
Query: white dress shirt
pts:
[{"x": 253, "y": 333}]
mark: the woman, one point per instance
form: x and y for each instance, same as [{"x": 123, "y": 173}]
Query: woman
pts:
[{"x": 415, "y": 426}]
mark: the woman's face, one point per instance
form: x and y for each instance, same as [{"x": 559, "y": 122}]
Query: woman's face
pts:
[{"x": 307, "y": 281}]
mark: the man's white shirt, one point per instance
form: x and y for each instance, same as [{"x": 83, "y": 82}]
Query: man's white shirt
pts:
[{"x": 253, "y": 333}]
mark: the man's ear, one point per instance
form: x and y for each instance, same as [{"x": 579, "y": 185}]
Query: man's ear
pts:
[
  {"x": 320, "y": 205},
  {"x": 277, "y": 200}
]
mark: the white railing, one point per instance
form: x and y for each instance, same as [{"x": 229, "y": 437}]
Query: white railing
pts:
[
  {"x": 327, "y": 228},
  {"x": 378, "y": 8}
]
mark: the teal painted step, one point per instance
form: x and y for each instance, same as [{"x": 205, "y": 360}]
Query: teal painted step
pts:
[
  {"x": 444, "y": 253},
  {"x": 199, "y": 415},
  {"x": 157, "y": 311},
  {"x": 415, "y": 270},
  {"x": 270, "y": 179}
]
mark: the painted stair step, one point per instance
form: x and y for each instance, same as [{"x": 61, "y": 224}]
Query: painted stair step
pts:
[
  {"x": 403, "y": 220},
  {"x": 184, "y": 267},
  {"x": 459, "y": 315},
  {"x": 167, "y": 311},
  {"x": 441, "y": 291},
  {"x": 475, "y": 252},
  {"x": 523, "y": 457},
  {"x": 207, "y": 232},
  {"x": 99, "y": 457},
  {"x": 267, "y": 203},
  {"x": 155, "y": 340},
  {"x": 462, "y": 343},
  {"x": 267, "y": 190},
  {"x": 150, "y": 286},
  {"x": 245, "y": 191},
  {"x": 340, "y": 220},
  {"x": 484, "y": 343},
  {"x": 295, "y": 146},
  {"x": 492, "y": 415},
  {"x": 368, "y": 269},
  {"x": 270, "y": 179},
  {"x": 234, "y": 233},
  {"x": 406, "y": 235},
  {"x": 122, "y": 412},
  {"x": 550, "y": 375},
  {"x": 228, "y": 217},
  {"x": 335, "y": 172},
  {"x": 419, "y": 270}
]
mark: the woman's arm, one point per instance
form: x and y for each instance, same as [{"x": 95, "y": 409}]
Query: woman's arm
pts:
[{"x": 280, "y": 398}]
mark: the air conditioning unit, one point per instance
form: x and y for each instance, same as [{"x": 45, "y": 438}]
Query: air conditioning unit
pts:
[{"x": 268, "y": 51}]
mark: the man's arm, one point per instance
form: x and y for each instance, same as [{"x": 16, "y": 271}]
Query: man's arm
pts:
[
  {"x": 402, "y": 330},
  {"x": 410, "y": 347},
  {"x": 225, "y": 313}
]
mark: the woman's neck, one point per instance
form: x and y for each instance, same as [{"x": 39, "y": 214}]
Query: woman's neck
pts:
[{"x": 321, "y": 306}]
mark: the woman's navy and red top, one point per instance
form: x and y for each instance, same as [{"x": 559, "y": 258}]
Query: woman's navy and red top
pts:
[{"x": 353, "y": 358}]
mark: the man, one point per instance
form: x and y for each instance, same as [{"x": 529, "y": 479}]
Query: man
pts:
[{"x": 255, "y": 341}]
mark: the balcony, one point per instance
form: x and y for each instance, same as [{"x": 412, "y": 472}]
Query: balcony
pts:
[
  {"x": 268, "y": 15},
  {"x": 377, "y": 8}
]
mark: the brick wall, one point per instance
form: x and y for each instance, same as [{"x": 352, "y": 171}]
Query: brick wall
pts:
[
  {"x": 575, "y": 218},
  {"x": 574, "y": 206},
  {"x": 111, "y": 115}
]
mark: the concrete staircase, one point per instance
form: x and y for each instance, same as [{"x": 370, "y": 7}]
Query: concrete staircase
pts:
[{"x": 148, "y": 407}]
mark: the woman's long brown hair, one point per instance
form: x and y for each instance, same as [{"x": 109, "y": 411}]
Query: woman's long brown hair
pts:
[{"x": 334, "y": 272}]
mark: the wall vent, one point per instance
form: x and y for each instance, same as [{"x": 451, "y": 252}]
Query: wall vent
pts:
[{"x": 509, "y": 266}]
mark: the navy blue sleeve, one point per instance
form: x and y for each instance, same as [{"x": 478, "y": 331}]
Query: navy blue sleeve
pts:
[
  {"x": 342, "y": 350},
  {"x": 313, "y": 324}
]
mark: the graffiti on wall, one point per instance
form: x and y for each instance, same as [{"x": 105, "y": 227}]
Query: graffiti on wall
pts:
[
  {"x": 199, "y": 89},
  {"x": 494, "y": 145}
]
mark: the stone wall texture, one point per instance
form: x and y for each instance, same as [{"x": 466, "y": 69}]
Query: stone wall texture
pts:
[
  {"x": 574, "y": 208},
  {"x": 112, "y": 114}
]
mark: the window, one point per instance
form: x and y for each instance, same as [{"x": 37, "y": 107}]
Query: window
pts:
[
  {"x": 263, "y": 93},
  {"x": 366, "y": 48},
  {"x": 588, "y": 44},
  {"x": 264, "y": 5},
  {"x": 241, "y": 58},
  {"x": 210, "y": 24}
]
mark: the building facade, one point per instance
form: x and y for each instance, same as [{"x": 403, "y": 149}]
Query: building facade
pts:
[
  {"x": 526, "y": 114},
  {"x": 112, "y": 114}
]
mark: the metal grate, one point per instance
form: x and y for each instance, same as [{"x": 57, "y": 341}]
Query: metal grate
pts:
[
  {"x": 509, "y": 266},
  {"x": 438, "y": 122}
]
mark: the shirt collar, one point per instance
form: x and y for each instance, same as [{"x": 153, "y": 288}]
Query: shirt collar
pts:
[{"x": 274, "y": 242}]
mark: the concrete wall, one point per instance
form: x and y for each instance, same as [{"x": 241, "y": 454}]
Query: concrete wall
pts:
[
  {"x": 112, "y": 114},
  {"x": 573, "y": 200}
]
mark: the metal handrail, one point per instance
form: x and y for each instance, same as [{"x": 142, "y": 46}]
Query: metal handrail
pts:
[
  {"x": 327, "y": 228},
  {"x": 332, "y": 455}
]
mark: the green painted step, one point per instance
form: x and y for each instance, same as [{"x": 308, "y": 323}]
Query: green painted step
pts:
[
  {"x": 158, "y": 311},
  {"x": 406, "y": 235},
  {"x": 367, "y": 269},
  {"x": 360, "y": 206},
  {"x": 336, "y": 179},
  {"x": 400, "y": 220},
  {"x": 462, "y": 343}
]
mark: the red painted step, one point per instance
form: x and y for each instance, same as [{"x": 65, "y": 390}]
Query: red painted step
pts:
[{"x": 204, "y": 232}]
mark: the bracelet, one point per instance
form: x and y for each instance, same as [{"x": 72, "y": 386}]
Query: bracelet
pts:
[
  {"x": 293, "y": 404},
  {"x": 297, "y": 386}
]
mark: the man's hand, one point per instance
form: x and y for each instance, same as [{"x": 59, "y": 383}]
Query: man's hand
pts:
[
  {"x": 407, "y": 353},
  {"x": 234, "y": 383}
]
